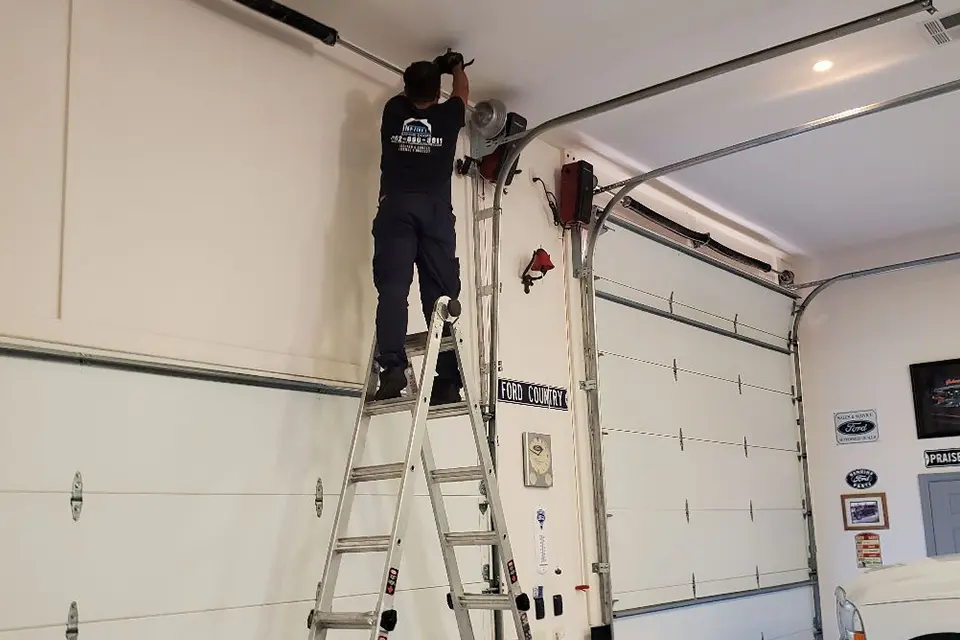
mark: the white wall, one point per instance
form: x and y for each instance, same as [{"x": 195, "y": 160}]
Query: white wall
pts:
[{"x": 857, "y": 342}]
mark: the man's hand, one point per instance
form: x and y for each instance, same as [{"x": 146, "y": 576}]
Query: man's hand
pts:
[{"x": 450, "y": 62}]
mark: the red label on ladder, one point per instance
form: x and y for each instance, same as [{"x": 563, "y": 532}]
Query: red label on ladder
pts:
[
  {"x": 512, "y": 570},
  {"x": 392, "y": 581}
]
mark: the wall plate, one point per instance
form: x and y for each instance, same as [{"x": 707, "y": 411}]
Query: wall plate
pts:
[{"x": 537, "y": 460}]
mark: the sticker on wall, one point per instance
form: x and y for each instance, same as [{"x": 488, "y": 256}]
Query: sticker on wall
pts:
[
  {"x": 542, "y": 562},
  {"x": 532, "y": 394},
  {"x": 869, "y": 555},
  {"x": 862, "y": 478},
  {"x": 856, "y": 426},
  {"x": 941, "y": 458}
]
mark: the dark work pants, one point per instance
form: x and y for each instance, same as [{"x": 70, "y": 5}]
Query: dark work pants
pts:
[{"x": 413, "y": 229}]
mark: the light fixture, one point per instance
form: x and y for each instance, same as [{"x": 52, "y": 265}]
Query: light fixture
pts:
[{"x": 823, "y": 65}]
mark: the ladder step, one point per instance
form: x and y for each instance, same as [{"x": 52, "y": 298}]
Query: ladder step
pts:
[
  {"x": 492, "y": 601},
  {"x": 339, "y": 620},
  {"x": 376, "y": 472},
  {"x": 363, "y": 544},
  {"x": 472, "y": 538},
  {"x": 416, "y": 344},
  {"x": 457, "y": 474},
  {"x": 383, "y": 407}
]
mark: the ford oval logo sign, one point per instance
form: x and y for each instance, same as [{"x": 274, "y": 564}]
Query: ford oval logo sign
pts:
[
  {"x": 862, "y": 478},
  {"x": 856, "y": 426}
]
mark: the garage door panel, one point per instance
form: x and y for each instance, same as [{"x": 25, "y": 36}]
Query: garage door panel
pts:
[
  {"x": 652, "y": 548},
  {"x": 708, "y": 408},
  {"x": 641, "y": 264},
  {"x": 780, "y": 540},
  {"x": 779, "y": 578},
  {"x": 769, "y": 419},
  {"x": 776, "y": 616},
  {"x": 637, "y": 396},
  {"x": 649, "y": 597},
  {"x": 774, "y": 479},
  {"x": 723, "y": 586},
  {"x": 634, "y": 334},
  {"x": 722, "y": 545},
  {"x": 37, "y": 452},
  {"x": 189, "y": 552},
  {"x": 38, "y": 557},
  {"x": 647, "y": 461},
  {"x": 719, "y": 476}
]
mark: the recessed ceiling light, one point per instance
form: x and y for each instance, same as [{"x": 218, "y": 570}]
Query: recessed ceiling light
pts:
[{"x": 823, "y": 65}]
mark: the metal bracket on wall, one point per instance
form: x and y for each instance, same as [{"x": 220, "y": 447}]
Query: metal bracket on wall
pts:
[
  {"x": 588, "y": 385},
  {"x": 73, "y": 622},
  {"x": 76, "y": 496},
  {"x": 601, "y": 567},
  {"x": 318, "y": 500}
]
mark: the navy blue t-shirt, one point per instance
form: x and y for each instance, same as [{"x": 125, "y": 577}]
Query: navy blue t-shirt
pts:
[{"x": 418, "y": 146}]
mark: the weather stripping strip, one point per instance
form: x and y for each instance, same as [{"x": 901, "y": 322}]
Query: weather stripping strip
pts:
[
  {"x": 177, "y": 371},
  {"x": 639, "y": 306},
  {"x": 726, "y": 597}
]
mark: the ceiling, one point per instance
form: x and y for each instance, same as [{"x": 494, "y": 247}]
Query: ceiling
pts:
[{"x": 875, "y": 178}]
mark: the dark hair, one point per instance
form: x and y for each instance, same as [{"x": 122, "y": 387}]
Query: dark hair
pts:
[{"x": 421, "y": 81}]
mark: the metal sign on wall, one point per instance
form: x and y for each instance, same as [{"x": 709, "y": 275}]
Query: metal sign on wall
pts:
[
  {"x": 869, "y": 555},
  {"x": 941, "y": 458},
  {"x": 532, "y": 394},
  {"x": 862, "y": 478},
  {"x": 856, "y": 426}
]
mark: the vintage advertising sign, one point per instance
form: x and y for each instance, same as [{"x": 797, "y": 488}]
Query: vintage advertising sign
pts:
[
  {"x": 941, "y": 458},
  {"x": 862, "y": 478},
  {"x": 856, "y": 426},
  {"x": 532, "y": 394},
  {"x": 869, "y": 555}
]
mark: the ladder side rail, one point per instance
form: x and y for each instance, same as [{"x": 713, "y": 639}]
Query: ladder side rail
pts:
[
  {"x": 493, "y": 499},
  {"x": 388, "y": 583},
  {"x": 328, "y": 583}
]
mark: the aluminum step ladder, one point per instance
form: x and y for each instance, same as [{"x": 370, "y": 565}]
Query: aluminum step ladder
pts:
[{"x": 383, "y": 619}]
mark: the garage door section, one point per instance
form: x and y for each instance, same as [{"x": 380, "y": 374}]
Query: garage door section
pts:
[
  {"x": 703, "y": 480},
  {"x": 199, "y": 515}
]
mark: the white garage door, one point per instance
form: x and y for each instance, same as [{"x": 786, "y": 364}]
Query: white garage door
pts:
[
  {"x": 198, "y": 517},
  {"x": 703, "y": 480}
]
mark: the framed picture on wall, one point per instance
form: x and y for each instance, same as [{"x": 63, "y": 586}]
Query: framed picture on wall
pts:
[
  {"x": 936, "y": 398},
  {"x": 864, "y": 511}
]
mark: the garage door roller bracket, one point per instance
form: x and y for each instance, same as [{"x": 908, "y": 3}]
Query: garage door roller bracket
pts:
[
  {"x": 76, "y": 496},
  {"x": 73, "y": 622}
]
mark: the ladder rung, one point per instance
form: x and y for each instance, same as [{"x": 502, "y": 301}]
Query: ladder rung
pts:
[
  {"x": 363, "y": 544},
  {"x": 339, "y": 620},
  {"x": 498, "y": 601},
  {"x": 416, "y": 344},
  {"x": 457, "y": 474},
  {"x": 377, "y": 472},
  {"x": 472, "y": 538},
  {"x": 382, "y": 407}
]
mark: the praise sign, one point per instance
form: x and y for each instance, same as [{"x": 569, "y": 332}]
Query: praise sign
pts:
[
  {"x": 856, "y": 426},
  {"x": 862, "y": 478},
  {"x": 534, "y": 395}
]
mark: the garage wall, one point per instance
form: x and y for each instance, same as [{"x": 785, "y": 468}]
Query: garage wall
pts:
[{"x": 857, "y": 342}]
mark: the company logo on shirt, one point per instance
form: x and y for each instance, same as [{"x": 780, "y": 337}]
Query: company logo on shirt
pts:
[{"x": 416, "y": 137}]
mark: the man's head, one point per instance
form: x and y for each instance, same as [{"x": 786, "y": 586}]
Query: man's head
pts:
[{"x": 421, "y": 82}]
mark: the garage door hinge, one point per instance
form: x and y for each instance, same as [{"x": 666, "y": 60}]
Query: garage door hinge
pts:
[
  {"x": 751, "y": 511},
  {"x": 736, "y": 320},
  {"x": 671, "y": 302},
  {"x": 601, "y": 567},
  {"x": 693, "y": 584},
  {"x": 686, "y": 509},
  {"x": 675, "y": 378},
  {"x": 76, "y": 496},
  {"x": 681, "y": 439},
  {"x": 588, "y": 385},
  {"x": 758, "y": 577},
  {"x": 746, "y": 451},
  {"x": 318, "y": 498},
  {"x": 739, "y": 384},
  {"x": 73, "y": 622}
]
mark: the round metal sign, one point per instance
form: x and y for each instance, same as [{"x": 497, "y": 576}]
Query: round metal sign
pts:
[{"x": 862, "y": 478}]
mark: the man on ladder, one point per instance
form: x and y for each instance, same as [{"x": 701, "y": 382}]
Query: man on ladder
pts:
[{"x": 415, "y": 220}]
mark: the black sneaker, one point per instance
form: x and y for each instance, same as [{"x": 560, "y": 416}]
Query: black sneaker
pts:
[
  {"x": 393, "y": 381},
  {"x": 444, "y": 393}
]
